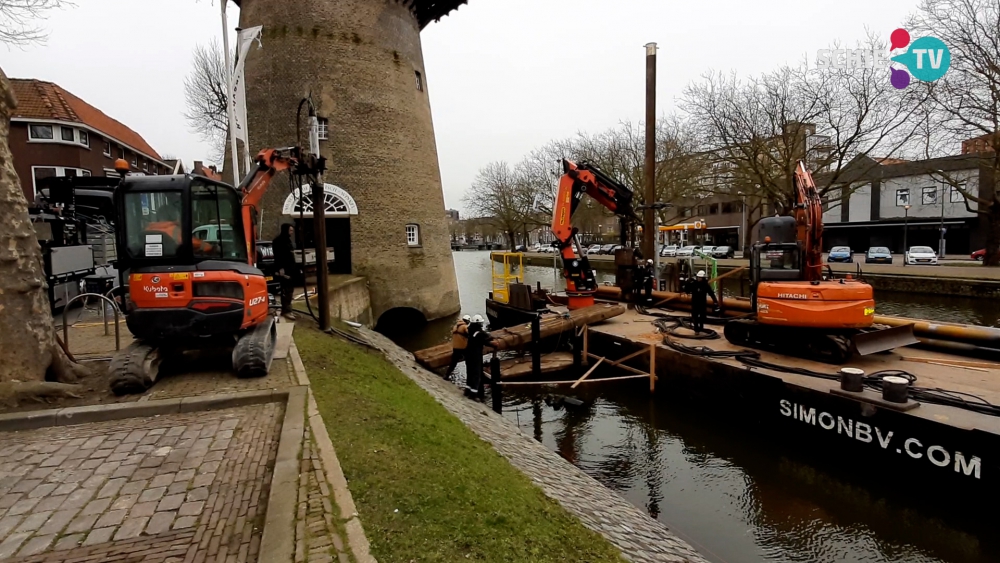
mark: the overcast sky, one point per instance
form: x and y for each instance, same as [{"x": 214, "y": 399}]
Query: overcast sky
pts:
[{"x": 504, "y": 76}]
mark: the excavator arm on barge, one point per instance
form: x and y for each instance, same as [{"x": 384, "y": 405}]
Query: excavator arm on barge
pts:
[
  {"x": 579, "y": 179},
  {"x": 797, "y": 309}
]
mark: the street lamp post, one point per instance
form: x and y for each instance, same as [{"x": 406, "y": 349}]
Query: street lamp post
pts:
[
  {"x": 743, "y": 224},
  {"x": 944, "y": 189},
  {"x": 906, "y": 230}
]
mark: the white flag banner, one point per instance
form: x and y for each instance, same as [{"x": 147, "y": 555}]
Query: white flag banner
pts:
[{"x": 238, "y": 97}]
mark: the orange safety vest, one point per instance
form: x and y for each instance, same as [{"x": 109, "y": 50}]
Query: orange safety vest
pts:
[{"x": 460, "y": 336}]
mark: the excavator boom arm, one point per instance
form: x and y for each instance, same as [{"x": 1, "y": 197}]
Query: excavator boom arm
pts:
[
  {"x": 577, "y": 180},
  {"x": 584, "y": 178},
  {"x": 809, "y": 218}
]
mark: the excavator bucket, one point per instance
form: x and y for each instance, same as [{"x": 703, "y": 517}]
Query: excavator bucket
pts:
[{"x": 880, "y": 340}]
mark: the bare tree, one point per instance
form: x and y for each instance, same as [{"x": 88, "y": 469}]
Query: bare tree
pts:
[
  {"x": 965, "y": 103},
  {"x": 33, "y": 364},
  {"x": 18, "y": 17},
  {"x": 500, "y": 197},
  {"x": 757, "y": 130},
  {"x": 205, "y": 93}
]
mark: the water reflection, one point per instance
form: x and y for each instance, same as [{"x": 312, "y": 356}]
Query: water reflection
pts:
[
  {"x": 719, "y": 481},
  {"x": 731, "y": 492}
]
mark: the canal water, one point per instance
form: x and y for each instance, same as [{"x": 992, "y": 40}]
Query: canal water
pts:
[{"x": 722, "y": 485}]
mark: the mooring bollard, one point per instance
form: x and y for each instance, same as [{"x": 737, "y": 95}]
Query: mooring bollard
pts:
[{"x": 536, "y": 345}]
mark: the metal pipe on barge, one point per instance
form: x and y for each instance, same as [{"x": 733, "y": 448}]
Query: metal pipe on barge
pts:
[{"x": 929, "y": 332}]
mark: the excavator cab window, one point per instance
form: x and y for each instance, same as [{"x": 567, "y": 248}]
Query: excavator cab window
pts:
[
  {"x": 216, "y": 230},
  {"x": 153, "y": 221},
  {"x": 181, "y": 222}
]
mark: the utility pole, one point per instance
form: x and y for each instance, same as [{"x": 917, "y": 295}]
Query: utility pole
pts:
[
  {"x": 649, "y": 215},
  {"x": 229, "y": 98},
  {"x": 906, "y": 231},
  {"x": 743, "y": 224}
]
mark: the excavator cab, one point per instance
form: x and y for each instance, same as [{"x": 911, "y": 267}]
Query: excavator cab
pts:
[
  {"x": 184, "y": 256},
  {"x": 178, "y": 220},
  {"x": 779, "y": 257}
]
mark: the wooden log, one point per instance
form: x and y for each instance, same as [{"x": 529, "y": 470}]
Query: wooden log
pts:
[
  {"x": 570, "y": 381},
  {"x": 516, "y": 336}
]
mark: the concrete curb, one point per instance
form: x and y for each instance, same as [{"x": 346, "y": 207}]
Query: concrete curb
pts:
[
  {"x": 31, "y": 420},
  {"x": 356, "y": 538},
  {"x": 277, "y": 542}
]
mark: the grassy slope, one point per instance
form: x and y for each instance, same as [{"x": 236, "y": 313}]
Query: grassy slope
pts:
[{"x": 457, "y": 499}]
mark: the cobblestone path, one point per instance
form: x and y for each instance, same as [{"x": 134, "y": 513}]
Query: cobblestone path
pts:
[
  {"x": 640, "y": 538},
  {"x": 166, "y": 489},
  {"x": 318, "y": 538}
]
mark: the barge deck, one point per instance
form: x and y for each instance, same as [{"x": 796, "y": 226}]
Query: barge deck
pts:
[{"x": 951, "y": 443}]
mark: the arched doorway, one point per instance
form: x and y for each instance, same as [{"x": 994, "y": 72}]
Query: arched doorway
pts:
[{"x": 339, "y": 207}]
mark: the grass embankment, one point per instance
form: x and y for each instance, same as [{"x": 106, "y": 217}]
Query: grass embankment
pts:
[{"x": 426, "y": 487}]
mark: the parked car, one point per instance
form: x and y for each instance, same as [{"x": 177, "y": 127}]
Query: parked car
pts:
[
  {"x": 878, "y": 255},
  {"x": 608, "y": 249},
  {"x": 979, "y": 255},
  {"x": 706, "y": 250},
  {"x": 594, "y": 249},
  {"x": 723, "y": 252},
  {"x": 686, "y": 252},
  {"x": 921, "y": 255},
  {"x": 669, "y": 251},
  {"x": 520, "y": 248},
  {"x": 840, "y": 254}
]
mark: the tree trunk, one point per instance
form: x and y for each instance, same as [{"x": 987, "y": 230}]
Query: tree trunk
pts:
[{"x": 28, "y": 346}]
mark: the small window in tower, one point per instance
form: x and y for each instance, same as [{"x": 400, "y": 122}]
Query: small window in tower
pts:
[
  {"x": 420, "y": 81},
  {"x": 324, "y": 128},
  {"x": 413, "y": 235}
]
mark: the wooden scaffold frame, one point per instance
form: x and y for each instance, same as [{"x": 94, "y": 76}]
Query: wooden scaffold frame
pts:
[{"x": 620, "y": 363}]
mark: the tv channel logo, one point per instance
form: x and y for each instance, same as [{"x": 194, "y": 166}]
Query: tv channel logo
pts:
[{"x": 927, "y": 59}]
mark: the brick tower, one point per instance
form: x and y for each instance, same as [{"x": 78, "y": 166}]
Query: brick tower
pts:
[{"x": 362, "y": 63}]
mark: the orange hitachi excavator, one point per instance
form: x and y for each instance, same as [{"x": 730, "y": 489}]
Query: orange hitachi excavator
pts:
[
  {"x": 186, "y": 253},
  {"x": 577, "y": 180},
  {"x": 799, "y": 310}
]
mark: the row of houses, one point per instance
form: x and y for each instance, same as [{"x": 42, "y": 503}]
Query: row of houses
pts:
[
  {"x": 54, "y": 133},
  {"x": 871, "y": 201}
]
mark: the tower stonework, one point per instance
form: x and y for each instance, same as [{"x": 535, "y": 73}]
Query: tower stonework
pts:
[{"x": 362, "y": 64}]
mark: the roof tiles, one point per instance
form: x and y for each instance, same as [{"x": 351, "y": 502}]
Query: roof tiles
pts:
[{"x": 37, "y": 99}]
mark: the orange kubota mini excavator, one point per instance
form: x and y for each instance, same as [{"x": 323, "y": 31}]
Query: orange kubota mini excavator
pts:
[
  {"x": 186, "y": 252},
  {"x": 799, "y": 310},
  {"x": 579, "y": 179}
]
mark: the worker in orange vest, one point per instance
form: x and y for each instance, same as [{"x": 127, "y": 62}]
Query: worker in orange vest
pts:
[
  {"x": 170, "y": 226},
  {"x": 459, "y": 342}
]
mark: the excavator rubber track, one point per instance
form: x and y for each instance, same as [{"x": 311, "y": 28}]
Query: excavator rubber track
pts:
[
  {"x": 134, "y": 369},
  {"x": 254, "y": 350},
  {"x": 811, "y": 344}
]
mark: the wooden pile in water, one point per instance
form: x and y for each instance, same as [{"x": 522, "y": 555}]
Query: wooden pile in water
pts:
[{"x": 520, "y": 335}]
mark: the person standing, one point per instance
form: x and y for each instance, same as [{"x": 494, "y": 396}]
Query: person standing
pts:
[
  {"x": 700, "y": 289},
  {"x": 284, "y": 260},
  {"x": 479, "y": 339},
  {"x": 648, "y": 281},
  {"x": 459, "y": 342}
]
